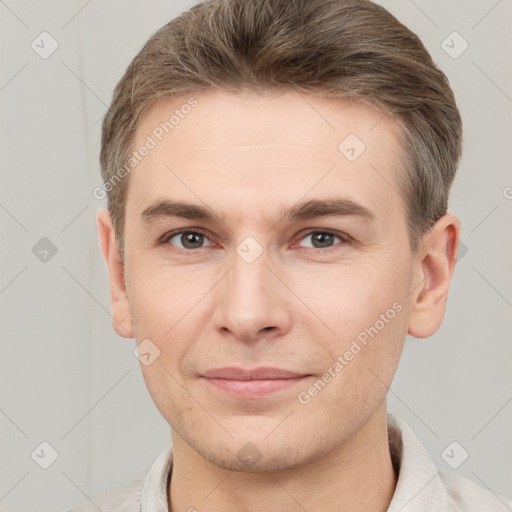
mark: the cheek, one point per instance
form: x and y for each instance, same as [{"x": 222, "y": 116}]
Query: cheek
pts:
[
  {"x": 162, "y": 304},
  {"x": 159, "y": 309},
  {"x": 358, "y": 371},
  {"x": 351, "y": 295},
  {"x": 366, "y": 315},
  {"x": 161, "y": 297}
]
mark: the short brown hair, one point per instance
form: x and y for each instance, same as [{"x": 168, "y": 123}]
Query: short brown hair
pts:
[{"x": 329, "y": 48}]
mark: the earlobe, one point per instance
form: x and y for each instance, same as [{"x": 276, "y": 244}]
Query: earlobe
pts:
[
  {"x": 435, "y": 264},
  {"x": 121, "y": 313}
]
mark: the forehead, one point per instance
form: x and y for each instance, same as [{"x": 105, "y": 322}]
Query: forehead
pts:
[{"x": 279, "y": 146}]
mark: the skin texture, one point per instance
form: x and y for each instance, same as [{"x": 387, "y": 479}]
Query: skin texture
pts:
[{"x": 297, "y": 306}]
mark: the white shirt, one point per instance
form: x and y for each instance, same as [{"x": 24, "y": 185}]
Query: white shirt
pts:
[{"x": 421, "y": 487}]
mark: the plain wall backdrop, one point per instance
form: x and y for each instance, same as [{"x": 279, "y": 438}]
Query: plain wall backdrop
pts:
[{"x": 68, "y": 380}]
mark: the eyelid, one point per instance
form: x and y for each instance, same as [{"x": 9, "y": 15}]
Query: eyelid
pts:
[
  {"x": 171, "y": 234},
  {"x": 344, "y": 237}
]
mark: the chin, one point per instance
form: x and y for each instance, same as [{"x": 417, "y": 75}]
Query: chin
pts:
[
  {"x": 258, "y": 454},
  {"x": 250, "y": 459}
]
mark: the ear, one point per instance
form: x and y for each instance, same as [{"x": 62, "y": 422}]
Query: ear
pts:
[
  {"x": 436, "y": 260},
  {"x": 121, "y": 313}
]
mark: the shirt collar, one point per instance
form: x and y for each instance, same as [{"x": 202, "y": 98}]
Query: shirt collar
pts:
[
  {"x": 155, "y": 486},
  {"x": 419, "y": 484}
]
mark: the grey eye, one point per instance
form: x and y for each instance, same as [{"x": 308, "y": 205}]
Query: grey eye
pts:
[
  {"x": 188, "y": 240},
  {"x": 321, "y": 239}
]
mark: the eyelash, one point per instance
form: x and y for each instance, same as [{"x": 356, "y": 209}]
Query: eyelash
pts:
[{"x": 345, "y": 239}]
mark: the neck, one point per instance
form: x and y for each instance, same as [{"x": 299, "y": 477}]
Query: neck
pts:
[{"x": 358, "y": 475}]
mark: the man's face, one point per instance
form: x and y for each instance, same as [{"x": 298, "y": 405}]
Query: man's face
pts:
[{"x": 257, "y": 289}]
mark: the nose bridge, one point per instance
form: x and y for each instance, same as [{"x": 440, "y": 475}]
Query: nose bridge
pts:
[
  {"x": 249, "y": 281},
  {"x": 251, "y": 297}
]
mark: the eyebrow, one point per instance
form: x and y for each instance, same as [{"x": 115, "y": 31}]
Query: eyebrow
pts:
[{"x": 312, "y": 209}]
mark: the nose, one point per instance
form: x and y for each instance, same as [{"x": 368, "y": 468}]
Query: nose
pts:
[{"x": 253, "y": 302}]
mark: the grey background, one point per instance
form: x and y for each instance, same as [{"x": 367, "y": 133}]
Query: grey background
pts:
[{"x": 68, "y": 379}]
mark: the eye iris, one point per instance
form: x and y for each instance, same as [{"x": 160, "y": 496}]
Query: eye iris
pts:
[
  {"x": 191, "y": 240},
  {"x": 322, "y": 237}
]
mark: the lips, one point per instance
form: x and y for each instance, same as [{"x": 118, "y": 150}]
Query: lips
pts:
[
  {"x": 255, "y": 383},
  {"x": 261, "y": 373}
]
